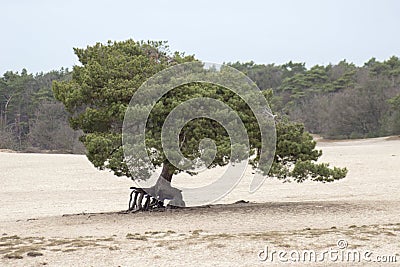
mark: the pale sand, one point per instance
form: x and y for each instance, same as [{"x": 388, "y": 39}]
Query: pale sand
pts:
[{"x": 36, "y": 189}]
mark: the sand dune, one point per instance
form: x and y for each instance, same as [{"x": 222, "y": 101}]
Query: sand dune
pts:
[{"x": 37, "y": 189}]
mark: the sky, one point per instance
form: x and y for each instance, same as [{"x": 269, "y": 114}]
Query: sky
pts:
[{"x": 40, "y": 35}]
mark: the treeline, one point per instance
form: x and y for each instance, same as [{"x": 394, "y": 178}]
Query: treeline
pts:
[
  {"x": 336, "y": 101},
  {"x": 30, "y": 118}
]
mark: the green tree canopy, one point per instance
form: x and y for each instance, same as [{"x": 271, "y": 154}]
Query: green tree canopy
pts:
[{"x": 100, "y": 90}]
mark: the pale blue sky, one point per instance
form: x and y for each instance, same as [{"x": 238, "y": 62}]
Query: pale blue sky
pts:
[{"x": 39, "y": 35}]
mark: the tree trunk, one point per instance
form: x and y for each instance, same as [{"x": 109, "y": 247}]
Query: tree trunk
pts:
[
  {"x": 163, "y": 189},
  {"x": 5, "y": 109},
  {"x": 166, "y": 172}
]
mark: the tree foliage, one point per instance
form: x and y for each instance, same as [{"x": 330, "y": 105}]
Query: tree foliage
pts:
[
  {"x": 101, "y": 87},
  {"x": 100, "y": 91},
  {"x": 296, "y": 155},
  {"x": 23, "y": 117},
  {"x": 335, "y": 101}
]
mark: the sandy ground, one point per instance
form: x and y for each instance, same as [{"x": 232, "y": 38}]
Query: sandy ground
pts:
[{"x": 362, "y": 210}]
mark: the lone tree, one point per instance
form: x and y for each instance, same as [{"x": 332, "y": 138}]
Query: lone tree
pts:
[{"x": 101, "y": 88}]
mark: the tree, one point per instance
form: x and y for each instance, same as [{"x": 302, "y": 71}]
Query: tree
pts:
[
  {"x": 265, "y": 76},
  {"x": 98, "y": 95},
  {"x": 389, "y": 68},
  {"x": 7, "y": 139},
  {"x": 21, "y": 95},
  {"x": 295, "y": 156},
  {"x": 395, "y": 120},
  {"x": 15, "y": 104},
  {"x": 49, "y": 129}
]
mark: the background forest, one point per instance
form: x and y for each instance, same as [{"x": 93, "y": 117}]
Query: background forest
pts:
[{"x": 335, "y": 101}]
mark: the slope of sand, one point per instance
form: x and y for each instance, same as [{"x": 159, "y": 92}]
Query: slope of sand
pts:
[{"x": 36, "y": 190}]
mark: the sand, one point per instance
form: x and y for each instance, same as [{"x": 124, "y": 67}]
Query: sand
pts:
[{"x": 36, "y": 190}]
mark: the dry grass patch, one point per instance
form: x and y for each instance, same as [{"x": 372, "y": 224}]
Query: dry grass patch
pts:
[
  {"x": 13, "y": 256},
  {"x": 216, "y": 245},
  {"x": 136, "y": 236},
  {"x": 69, "y": 250},
  {"x": 197, "y": 232},
  {"x": 34, "y": 254}
]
